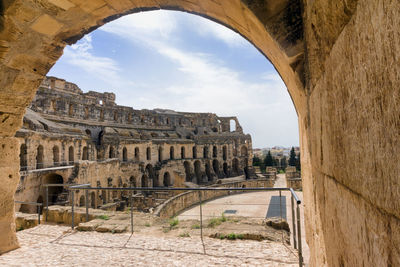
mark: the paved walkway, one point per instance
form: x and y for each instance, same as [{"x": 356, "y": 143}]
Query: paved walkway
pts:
[
  {"x": 253, "y": 205},
  {"x": 52, "y": 245}
]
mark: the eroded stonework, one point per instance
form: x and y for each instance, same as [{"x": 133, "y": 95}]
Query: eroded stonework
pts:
[{"x": 73, "y": 137}]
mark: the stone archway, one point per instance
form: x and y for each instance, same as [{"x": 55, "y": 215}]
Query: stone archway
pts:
[{"x": 345, "y": 95}]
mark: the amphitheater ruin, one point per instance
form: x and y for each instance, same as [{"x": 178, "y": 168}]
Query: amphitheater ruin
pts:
[
  {"x": 340, "y": 62},
  {"x": 71, "y": 137}
]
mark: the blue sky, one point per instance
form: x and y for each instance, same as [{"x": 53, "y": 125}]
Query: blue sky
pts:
[{"x": 180, "y": 61}]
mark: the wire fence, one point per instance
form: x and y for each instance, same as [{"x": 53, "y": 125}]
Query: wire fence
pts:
[
  {"x": 281, "y": 208},
  {"x": 39, "y": 206}
]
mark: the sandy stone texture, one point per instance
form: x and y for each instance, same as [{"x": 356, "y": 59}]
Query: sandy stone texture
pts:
[{"x": 49, "y": 245}]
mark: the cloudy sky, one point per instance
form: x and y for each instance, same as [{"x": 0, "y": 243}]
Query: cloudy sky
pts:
[{"x": 174, "y": 60}]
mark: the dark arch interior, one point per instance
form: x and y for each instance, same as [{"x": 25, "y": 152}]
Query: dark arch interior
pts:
[{"x": 54, "y": 191}]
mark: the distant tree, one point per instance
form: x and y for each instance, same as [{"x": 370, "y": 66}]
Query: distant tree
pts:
[
  {"x": 298, "y": 164},
  {"x": 269, "y": 160},
  {"x": 283, "y": 162},
  {"x": 256, "y": 161},
  {"x": 262, "y": 166},
  {"x": 292, "y": 157}
]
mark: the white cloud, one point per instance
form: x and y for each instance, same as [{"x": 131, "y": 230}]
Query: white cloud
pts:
[
  {"x": 205, "y": 85},
  {"x": 207, "y": 27},
  {"x": 80, "y": 55},
  {"x": 144, "y": 27}
]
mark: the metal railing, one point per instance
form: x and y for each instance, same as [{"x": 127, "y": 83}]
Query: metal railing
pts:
[
  {"x": 43, "y": 167},
  {"x": 39, "y": 205},
  {"x": 296, "y": 222},
  {"x": 46, "y": 186}
]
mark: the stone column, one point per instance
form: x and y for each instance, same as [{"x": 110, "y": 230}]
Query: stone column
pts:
[{"x": 9, "y": 177}]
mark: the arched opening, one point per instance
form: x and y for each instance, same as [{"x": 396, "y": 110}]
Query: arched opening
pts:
[
  {"x": 183, "y": 152},
  {"x": 167, "y": 179},
  {"x": 150, "y": 174},
  {"x": 215, "y": 151},
  {"x": 225, "y": 168},
  {"x": 66, "y": 33},
  {"x": 56, "y": 156},
  {"x": 208, "y": 171},
  {"x": 194, "y": 152},
  {"x": 205, "y": 152},
  {"x": 132, "y": 181},
  {"x": 82, "y": 201},
  {"x": 137, "y": 155},
  {"x": 55, "y": 191},
  {"x": 243, "y": 151},
  {"x": 93, "y": 200},
  {"x": 148, "y": 153},
  {"x": 23, "y": 157},
  {"x": 246, "y": 168},
  {"x": 224, "y": 153},
  {"x": 124, "y": 154},
  {"x": 160, "y": 154},
  {"x": 71, "y": 155},
  {"x": 111, "y": 152},
  {"x": 235, "y": 166},
  {"x": 145, "y": 181},
  {"x": 215, "y": 164},
  {"x": 39, "y": 157},
  {"x": 188, "y": 171},
  {"x": 85, "y": 153},
  {"x": 232, "y": 125},
  {"x": 109, "y": 115},
  {"x": 197, "y": 171},
  {"x": 171, "y": 152}
]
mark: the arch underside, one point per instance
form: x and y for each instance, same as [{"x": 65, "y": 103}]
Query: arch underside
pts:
[{"x": 33, "y": 35}]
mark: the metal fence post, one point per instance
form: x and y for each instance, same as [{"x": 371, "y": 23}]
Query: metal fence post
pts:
[
  {"x": 293, "y": 224},
  {"x": 299, "y": 236},
  {"x": 47, "y": 202},
  {"x": 87, "y": 204},
  {"x": 280, "y": 204},
  {"x": 72, "y": 208},
  {"x": 201, "y": 223},
  {"x": 280, "y": 211},
  {"x": 38, "y": 212},
  {"x": 131, "y": 212}
]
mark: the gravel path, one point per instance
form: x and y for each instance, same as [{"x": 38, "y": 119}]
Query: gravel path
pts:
[{"x": 51, "y": 245}]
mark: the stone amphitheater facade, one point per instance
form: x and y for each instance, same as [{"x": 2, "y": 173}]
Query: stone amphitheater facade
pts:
[{"x": 71, "y": 137}]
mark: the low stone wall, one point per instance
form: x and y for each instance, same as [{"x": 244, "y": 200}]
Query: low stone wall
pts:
[
  {"x": 25, "y": 220},
  {"x": 63, "y": 215},
  {"x": 187, "y": 199},
  {"x": 295, "y": 183}
]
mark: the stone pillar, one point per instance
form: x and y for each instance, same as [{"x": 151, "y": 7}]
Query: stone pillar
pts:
[{"x": 9, "y": 177}]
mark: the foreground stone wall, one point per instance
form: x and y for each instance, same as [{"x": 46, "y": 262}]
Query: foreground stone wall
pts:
[{"x": 351, "y": 187}]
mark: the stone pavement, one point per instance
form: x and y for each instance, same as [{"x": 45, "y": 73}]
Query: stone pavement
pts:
[
  {"x": 252, "y": 205},
  {"x": 52, "y": 245}
]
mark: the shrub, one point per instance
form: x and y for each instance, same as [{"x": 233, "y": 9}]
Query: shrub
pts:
[
  {"x": 184, "y": 235},
  {"x": 196, "y": 226},
  {"x": 173, "y": 222},
  {"x": 104, "y": 217}
]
